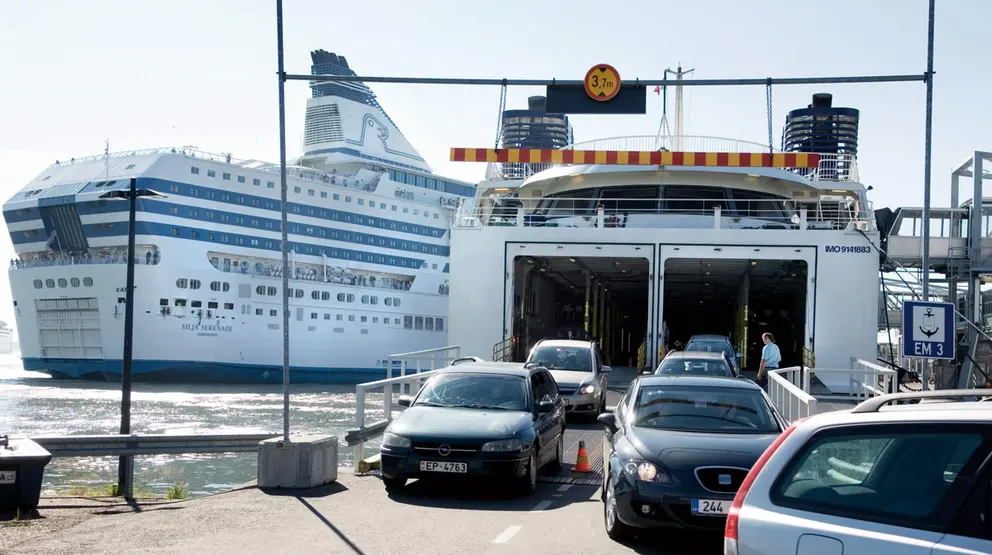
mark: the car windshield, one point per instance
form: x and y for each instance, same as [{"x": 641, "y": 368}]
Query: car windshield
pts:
[
  {"x": 710, "y": 346},
  {"x": 477, "y": 391},
  {"x": 563, "y": 358},
  {"x": 693, "y": 367},
  {"x": 703, "y": 409}
]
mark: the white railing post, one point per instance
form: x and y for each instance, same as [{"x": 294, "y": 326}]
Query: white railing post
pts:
[
  {"x": 803, "y": 218},
  {"x": 716, "y": 217},
  {"x": 520, "y": 217},
  {"x": 359, "y": 422},
  {"x": 600, "y": 216}
]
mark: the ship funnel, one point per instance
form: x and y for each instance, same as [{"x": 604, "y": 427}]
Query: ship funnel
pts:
[
  {"x": 537, "y": 104},
  {"x": 823, "y": 129}
]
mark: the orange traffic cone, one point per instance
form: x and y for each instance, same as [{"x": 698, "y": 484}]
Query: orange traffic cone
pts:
[{"x": 582, "y": 461}]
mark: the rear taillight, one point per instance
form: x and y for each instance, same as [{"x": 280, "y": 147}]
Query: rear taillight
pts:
[{"x": 730, "y": 532}]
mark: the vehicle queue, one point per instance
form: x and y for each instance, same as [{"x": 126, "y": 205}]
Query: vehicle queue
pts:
[{"x": 694, "y": 445}]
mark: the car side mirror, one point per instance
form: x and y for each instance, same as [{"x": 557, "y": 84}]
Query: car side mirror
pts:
[
  {"x": 404, "y": 401},
  {"x": 545, "y": 406},
  {"x": 647, "y": 372},
  {"x": 605, "y": 369},
  {"x": 609, "y": 420}
]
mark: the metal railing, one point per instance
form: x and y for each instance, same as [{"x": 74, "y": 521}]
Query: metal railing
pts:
[
  {"x": 667, "y": 213},
  {"x": 149, "y": 444},
  {"x": 503, "y": 351},
  {"x": 424, "y": 363},
  {"x": 677, "y": 143},
  {"x": 788, "y": 392}
]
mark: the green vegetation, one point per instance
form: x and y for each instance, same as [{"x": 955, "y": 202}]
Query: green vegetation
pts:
[{"x": 178, "y": 490}]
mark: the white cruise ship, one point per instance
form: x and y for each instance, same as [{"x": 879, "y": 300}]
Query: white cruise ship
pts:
[{"x": 368, "y": 229}]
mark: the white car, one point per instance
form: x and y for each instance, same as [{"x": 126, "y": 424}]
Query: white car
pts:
[
  {"x": 880, "y": 479},
  {"x": 578, "y": 368}
]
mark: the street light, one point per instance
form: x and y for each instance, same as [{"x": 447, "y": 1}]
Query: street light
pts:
[{"x": 125, "y": 470}]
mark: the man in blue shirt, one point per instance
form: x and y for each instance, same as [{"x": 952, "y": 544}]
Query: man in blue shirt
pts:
[{"x": 771, "y": 356}]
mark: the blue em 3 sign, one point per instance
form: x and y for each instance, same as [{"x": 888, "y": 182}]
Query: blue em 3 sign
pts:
[{"x": 928, "y": 330}]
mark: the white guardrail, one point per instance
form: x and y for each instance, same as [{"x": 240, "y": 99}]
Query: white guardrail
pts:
[
  {"x": 422, "y": 363},
  {"x": 788, "y": 392},
  {"x": 790, "y": 389}
]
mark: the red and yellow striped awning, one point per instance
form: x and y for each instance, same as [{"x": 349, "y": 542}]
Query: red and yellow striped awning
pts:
[{"x": 637, "y": 157}]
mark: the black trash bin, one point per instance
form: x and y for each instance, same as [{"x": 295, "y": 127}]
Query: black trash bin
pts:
[{"x": 22, "y": 466}]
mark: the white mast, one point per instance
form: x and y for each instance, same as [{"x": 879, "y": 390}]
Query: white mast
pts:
[{"x": 677, "y": 142}]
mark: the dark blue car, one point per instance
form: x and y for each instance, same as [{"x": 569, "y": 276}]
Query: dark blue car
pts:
[
  {"x": 677, "y": 449},
  {"x": 477, "y": 419}
]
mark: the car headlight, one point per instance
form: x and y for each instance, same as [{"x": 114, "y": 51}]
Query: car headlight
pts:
[
  {"x": 586, "y": 389},
  {"x": 647, "y": 472},
  {"x": 393, "y": 440},
  {"x": 502, "y": 446}
]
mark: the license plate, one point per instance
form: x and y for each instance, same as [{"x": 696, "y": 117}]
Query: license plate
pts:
[
  {"x": 444, "y": 466},
  {"x": 8, "y": 476},
  {"x": 710, "y": 507}
]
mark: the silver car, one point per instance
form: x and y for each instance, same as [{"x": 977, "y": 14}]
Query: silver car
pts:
[
  {"x": 578, "y": 368},
  {"x": 910, "y": 479}
]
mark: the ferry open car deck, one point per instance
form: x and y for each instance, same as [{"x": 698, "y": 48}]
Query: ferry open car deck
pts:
[{"x": 655, "y": 254}]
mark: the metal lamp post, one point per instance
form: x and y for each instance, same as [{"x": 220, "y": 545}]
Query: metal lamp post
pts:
[{"x": 125, "y": 469}]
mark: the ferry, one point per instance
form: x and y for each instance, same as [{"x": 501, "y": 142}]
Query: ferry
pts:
[
  {"x": 369, "y": 231},
  {"x": 642, "y": 257}
]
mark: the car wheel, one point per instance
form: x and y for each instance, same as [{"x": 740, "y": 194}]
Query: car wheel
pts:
[
  {"x": 393, "y": 484},
  {"x": 615, "y": 529},
  {"x": 529, "y": 484},
  {"x": 559, "y": 452}
]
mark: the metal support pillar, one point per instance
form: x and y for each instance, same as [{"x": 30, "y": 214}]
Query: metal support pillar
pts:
[
  {"x": 926, "y": 158},
  {"x": 125, "y": 466},
  {"x": 285, "y": 227},
  {"x": 585, "y": 319}
]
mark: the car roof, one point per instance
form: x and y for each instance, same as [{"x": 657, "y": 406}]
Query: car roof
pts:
[
  {"x": 486, "y": 367},
  {"x": 699, "y": 381},
  {"x": 917, "y": 412},
  {"x": 709, "y": 337},
  {"x": 698, "y": 355},
  {"x": 564, "y": 343}
]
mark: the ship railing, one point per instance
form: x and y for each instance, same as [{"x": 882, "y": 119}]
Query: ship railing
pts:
[
  {"x": 675, "y": 143},
  {"x": 669, "y": 213},
  {"x": 75, "y": 261},
  {"x": 310, "y": 274},
  {"x": 414, "y": 368}
]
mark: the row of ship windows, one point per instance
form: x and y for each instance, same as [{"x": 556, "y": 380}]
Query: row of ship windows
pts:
[
  {"x": 304, "y": 249},
  {"x": 195, "y": 304},
  {"x": 183, "y": 283},
  {"x": 316, "y": 231},
  {"x": 270, "y": 291},
  {"x": 428, "y": 323},
  {"x": 63, "y": 283},
  {"x": 323, "y": 194}
]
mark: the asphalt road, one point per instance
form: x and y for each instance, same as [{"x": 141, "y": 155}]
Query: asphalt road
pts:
[{"x": 357, "y": 516}]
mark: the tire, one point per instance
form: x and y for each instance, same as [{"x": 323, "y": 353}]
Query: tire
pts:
[
  {"x": 393, "y": 484},
  {"x": 528, "y": 484},
  {"x": 559, "y": 452},
  {"x": 615, "y": 529}
]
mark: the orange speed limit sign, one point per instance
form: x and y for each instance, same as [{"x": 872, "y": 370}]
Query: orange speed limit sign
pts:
[{"x": 602, "y": 82}]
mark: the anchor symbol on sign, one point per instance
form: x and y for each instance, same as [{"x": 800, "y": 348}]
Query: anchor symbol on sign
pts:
[{"x": 930, "y": 322}]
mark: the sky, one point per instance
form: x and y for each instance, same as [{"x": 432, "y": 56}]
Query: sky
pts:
[{"x": 191, "y": 72}]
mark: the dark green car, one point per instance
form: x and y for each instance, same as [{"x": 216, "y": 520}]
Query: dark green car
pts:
[{"x": 477, "y": 419}]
